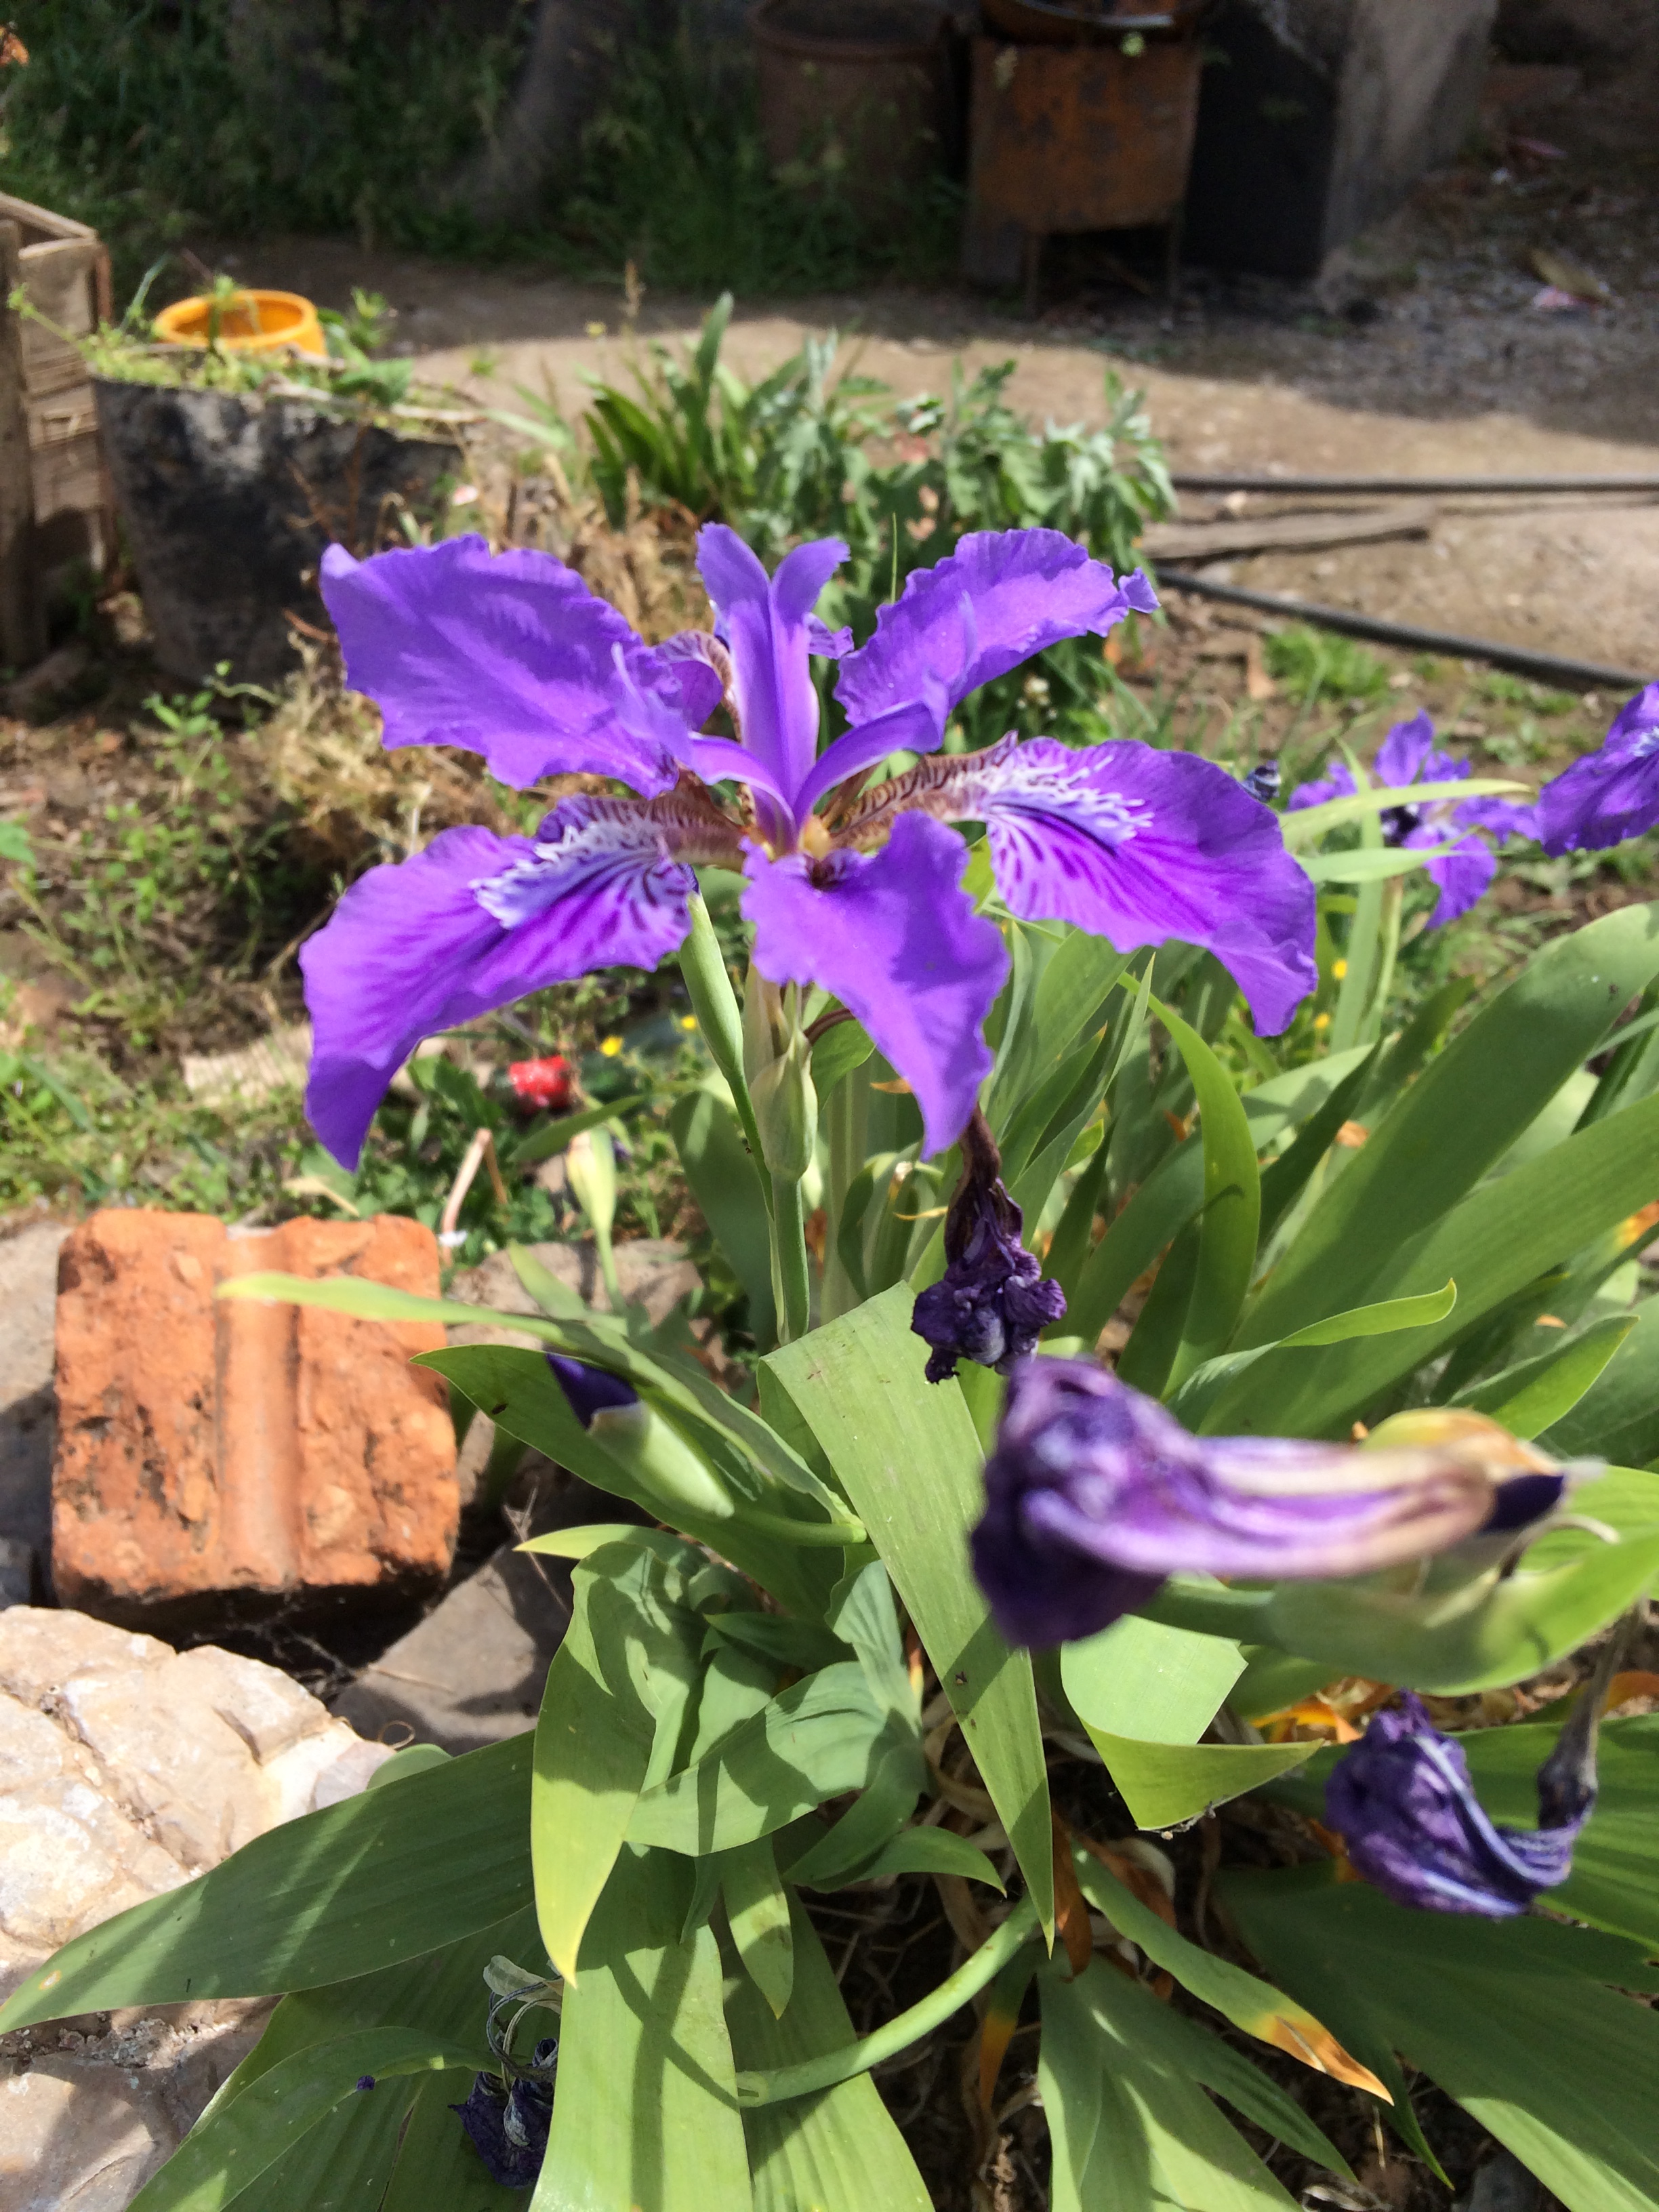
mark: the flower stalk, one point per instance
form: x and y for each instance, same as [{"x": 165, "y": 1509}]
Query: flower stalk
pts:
[
  {"x": 791, "y": 1284},
  {"x": 719, "y": 1018}
]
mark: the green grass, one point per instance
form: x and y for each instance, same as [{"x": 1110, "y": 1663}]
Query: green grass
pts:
[
  {"x": 152, "y": 123},
  {"x": 1311, "y": 665}
]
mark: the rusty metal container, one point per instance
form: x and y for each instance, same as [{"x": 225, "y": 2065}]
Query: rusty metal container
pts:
[
  {"x": 859, "y": 90},
  {"x": 1074, "y": 138},
  {"x": 1073, "y": 22}
]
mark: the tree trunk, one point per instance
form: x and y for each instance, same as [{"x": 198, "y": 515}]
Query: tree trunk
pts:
[{"x": 574, "y": 47}]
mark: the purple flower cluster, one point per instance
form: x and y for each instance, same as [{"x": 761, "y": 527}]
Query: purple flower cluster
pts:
[
  {"x": 856, "y": 890},
  {"x": 1403, "y": 1804},
  {"x": 1408, "y": 755},
  {"x": 1095, "y": 1494}
]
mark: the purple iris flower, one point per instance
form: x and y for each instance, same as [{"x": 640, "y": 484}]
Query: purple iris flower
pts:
[
  {"x": 992, "y": 1303},
  {"x": 1095, "y": 1494},
  {"x": 1408, "y": 755},
  {"x": 512, "y": 658},
  {"x": 1613, "y": 793},
  {"x": 1403, "y": 1804}
]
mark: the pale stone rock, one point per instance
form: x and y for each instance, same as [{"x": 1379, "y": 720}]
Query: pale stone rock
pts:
[{"x": 126, "y": 1768}]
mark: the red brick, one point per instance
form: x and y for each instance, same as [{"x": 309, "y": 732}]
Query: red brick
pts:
[{"x": 228, "y": 1453}]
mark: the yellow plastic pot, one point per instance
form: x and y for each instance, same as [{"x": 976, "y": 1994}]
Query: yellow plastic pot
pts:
[{"x": 249, "y": 322}]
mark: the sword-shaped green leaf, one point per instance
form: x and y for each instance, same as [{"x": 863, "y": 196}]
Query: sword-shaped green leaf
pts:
[
  {"x": 645, "y": 2111},
  {"x": 906, "y": 1454}
]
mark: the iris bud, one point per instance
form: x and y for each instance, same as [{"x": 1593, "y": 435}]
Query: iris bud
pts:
[
  {"x": 778, "y": 1062},
  {"x": 590, "y": 1166},
  {"x": 786, "y": 1110},
  {"x": 674, "y": 1479}
]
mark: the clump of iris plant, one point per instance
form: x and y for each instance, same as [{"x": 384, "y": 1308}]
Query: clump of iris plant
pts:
[
  {"x": 1408, "y": 755},
  {"x": 993, "y": 1303},
  {"x": 1402, "y": 1802},
  {"x": 1095, "y": 1494},
  {"x": 1612, "y": 794},
  {"x": 856, "y": 889}
]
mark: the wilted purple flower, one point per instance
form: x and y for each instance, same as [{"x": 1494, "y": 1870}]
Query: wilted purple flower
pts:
[
  {"x": 1613, "y": 793},
  {"x": 992, "y": 1303},
  {"x": 1094, "y": 1494},
  {"x": 591, "y": 1390},
  {"x": 508, "y": 2128},
  {"x": 1407, "y": 755},
  {"x": 514, "y": 658},
  {"x": 1403, "y": 1804}
]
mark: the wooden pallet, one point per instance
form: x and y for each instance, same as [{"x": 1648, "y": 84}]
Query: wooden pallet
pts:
[{"x": 56, "y": 512}]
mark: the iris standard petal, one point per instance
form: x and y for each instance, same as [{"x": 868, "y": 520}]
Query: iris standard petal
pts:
[
  {"x": 1135, "y": 845},
  {"x": 765, "y": 622},
  {"x": 475, "y": 922},
  {"x": 512, "y": 657},
  {"x": 1093, "y": 1484},
  {"x": 896, "y": 941},
  {"x": 1406, "y": 754},
  {"x": 1000, "y": 597},
  {"x": 1613, "y": 793}
]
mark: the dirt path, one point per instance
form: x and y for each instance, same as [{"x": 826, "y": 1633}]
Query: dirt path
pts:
[{"x": 1419, "y": 352}]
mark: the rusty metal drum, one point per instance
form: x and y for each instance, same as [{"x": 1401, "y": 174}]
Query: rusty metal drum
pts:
[
  {"x": 859, "y": 88},
  {"x": 1074, "y": 138}
]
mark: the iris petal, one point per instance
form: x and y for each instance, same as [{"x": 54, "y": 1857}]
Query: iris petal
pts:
[
  {"x": 765, "y": 622},
  {"x": 512, "y": 657},
  {"x": 1000, "y": 597},
  {"x": 476, "y": 922},
  {"x": 1137, "y": 846},
  {"x": 896, "y": 941},
  {"x": 1613, "y": 793}
]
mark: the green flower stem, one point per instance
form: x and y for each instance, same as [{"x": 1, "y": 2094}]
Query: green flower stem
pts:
[
  {"x": 1019, "y": 1929},
  {"x": 847, "y": 1111},
  {"x": 846, "y": 1534},
  {"x": 791, "y": 1288},
  {"x": 1208, "y": 1608},
  {"x": 721, "y": 1020},
  {"x": 1393, "y": 893}
]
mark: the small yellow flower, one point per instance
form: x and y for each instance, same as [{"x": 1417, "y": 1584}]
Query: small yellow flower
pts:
[
  {"x": 1322, "y": 1021},
  {"x": 596, "y": 330},
  {"x": 610, "y": 1047},
  {"x": 688, "y": 1023},
  {"x": 1339, "y": 968}
]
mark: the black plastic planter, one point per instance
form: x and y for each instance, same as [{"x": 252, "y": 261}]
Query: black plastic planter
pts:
[{"x": 227, "y": 500}]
